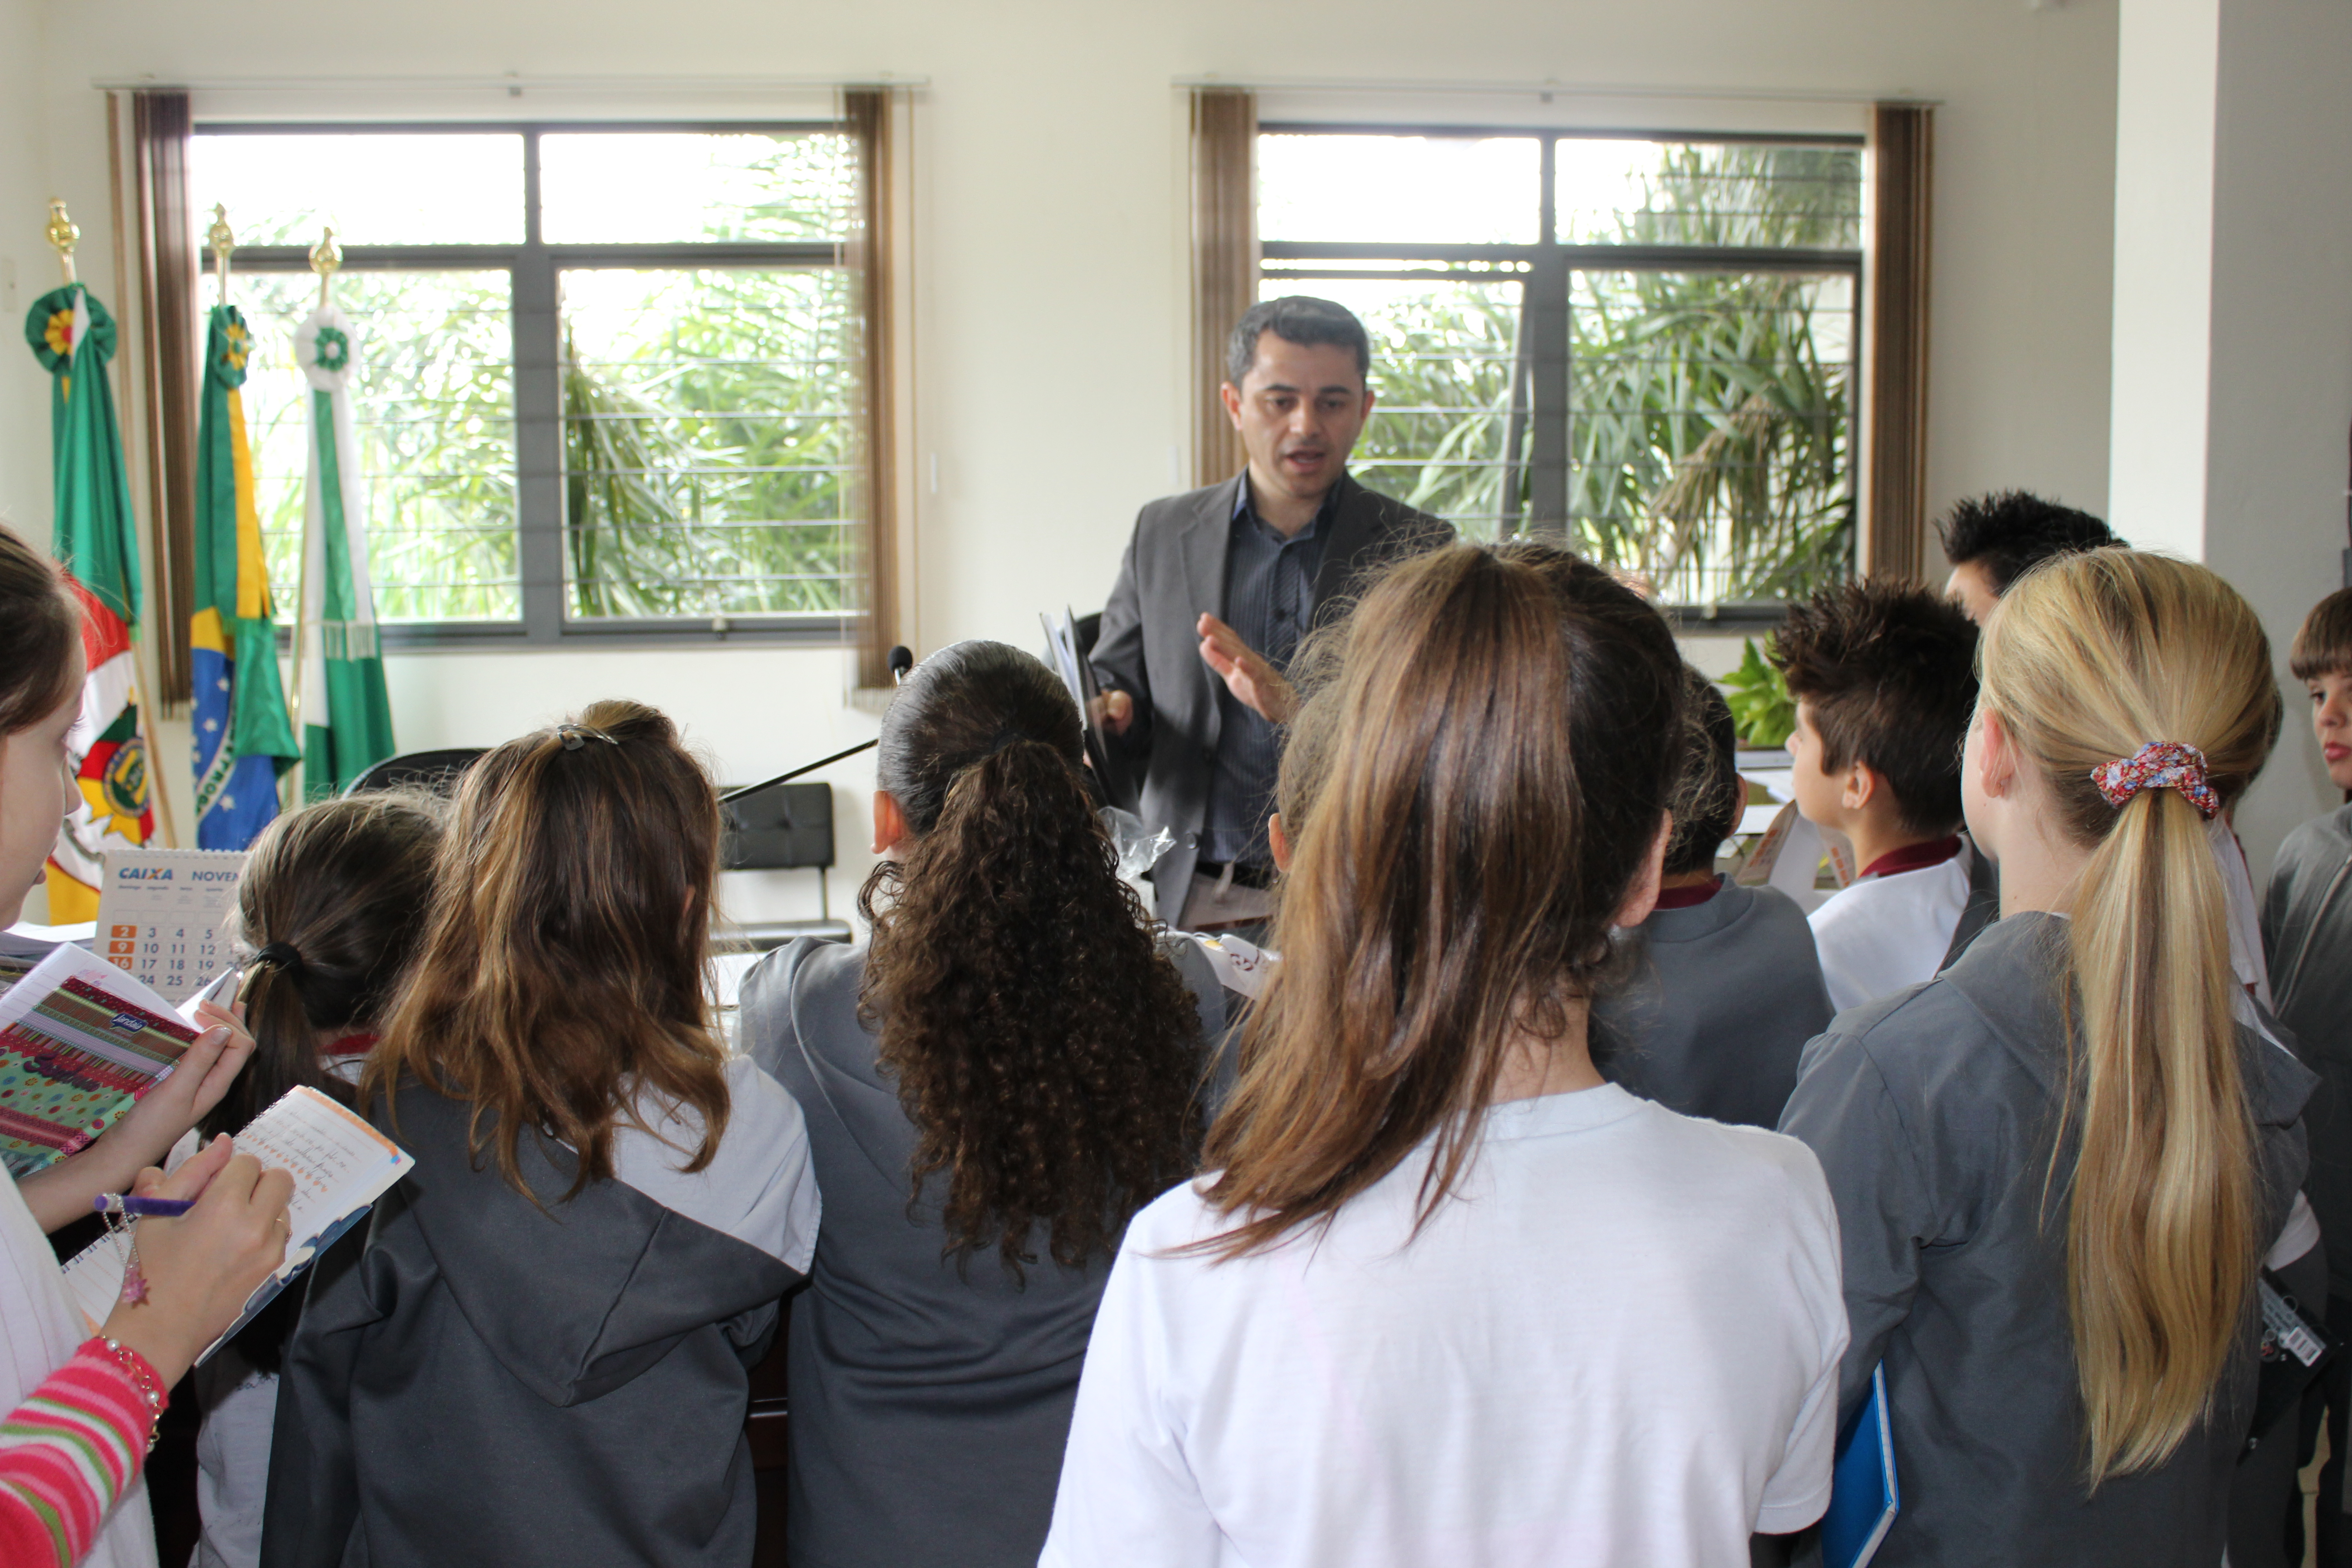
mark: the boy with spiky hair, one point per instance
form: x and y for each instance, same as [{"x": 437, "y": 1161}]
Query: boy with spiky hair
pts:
[
  {"x": 1724, "y": 988},
  {"x": 1884, "y": 676},
  {"x": 1993, "y": 540}
]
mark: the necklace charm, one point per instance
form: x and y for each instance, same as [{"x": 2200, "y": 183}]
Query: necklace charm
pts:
[{"x": 124, "y": 1234}]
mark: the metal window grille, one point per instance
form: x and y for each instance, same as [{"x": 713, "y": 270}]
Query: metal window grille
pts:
[
  {"x": 599, "y": 411},
  {"x": 1662, "y": 378}
]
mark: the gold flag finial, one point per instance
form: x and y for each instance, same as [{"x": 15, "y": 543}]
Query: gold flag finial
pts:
[
  {"x": 326, "y": 257},
  {"x": 221, "y": 242},
  {"x": 63, "y": 234}
]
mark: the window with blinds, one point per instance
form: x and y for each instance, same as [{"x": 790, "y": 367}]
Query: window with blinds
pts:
[
  {"x": 609, "y": 374},
  {"x": 1644, "y": 348}
]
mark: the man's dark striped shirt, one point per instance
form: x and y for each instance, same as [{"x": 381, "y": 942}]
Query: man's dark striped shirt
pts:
[{"x": 1270, "y": 603}]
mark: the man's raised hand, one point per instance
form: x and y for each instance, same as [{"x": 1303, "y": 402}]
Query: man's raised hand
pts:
[{"x": 1246, "y": 674}]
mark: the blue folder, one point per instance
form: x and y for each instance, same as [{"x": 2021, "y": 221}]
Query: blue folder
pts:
[{"x": 1863, "y": 1500}]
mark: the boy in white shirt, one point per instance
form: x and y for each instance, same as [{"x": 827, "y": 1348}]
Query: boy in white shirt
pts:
[{"x": 1884, "y": 679}]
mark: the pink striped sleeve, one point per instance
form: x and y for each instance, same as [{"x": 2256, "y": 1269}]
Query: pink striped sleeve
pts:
[{"x": 66, "y": 1454}]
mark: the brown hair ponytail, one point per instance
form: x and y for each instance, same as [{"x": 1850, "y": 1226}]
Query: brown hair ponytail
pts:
[
  {"x": 332, "y": 902},
  {"x": 561, "y": 977},
  {"x": 1482, "y": 767},
  {"x": 2088, "y": 659},
  {"x": 1044, "y": 1051}
]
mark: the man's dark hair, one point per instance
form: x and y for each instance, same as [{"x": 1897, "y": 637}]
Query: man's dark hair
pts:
[
  {"x": 1887, "y": 673},
  {"x": 2322, "y": 644},
  {"x": 1299, "y": 319},
  {"x": 1708, "y": 795},
  {"x": 2010, "y": 532}
]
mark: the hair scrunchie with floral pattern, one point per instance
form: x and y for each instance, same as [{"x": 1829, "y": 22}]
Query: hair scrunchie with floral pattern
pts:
[{"x": 2159, "y": 765}]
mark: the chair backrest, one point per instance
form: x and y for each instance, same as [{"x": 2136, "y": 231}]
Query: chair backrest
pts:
[
  {"x": 782, "y": 828},
  {"x": 436, "y": 771}
]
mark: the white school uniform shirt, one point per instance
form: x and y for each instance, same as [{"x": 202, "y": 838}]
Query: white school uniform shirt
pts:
[
  {"x": 1619, "y": 1344},
  {"x": 1889, "y": 931}
]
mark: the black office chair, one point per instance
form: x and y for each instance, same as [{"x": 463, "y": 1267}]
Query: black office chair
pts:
[
  {"x": 786, "y": 826},
  {"x": 436, "y": 771}
]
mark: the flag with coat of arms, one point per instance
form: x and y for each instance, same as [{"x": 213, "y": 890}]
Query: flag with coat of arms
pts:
[
  {"x": 346, "y": 716},
  {"x": 73, "y": 337},
  {"x": 244, "y": 739}
]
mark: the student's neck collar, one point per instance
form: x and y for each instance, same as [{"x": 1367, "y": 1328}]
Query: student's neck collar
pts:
[
  {"x": 1916, "y": 857},
  {"x": 1688, "y": 889},
  {"x": 1873, "y": 835}
]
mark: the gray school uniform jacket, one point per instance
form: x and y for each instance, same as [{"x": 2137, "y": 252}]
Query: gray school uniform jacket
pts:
[
  {"x": 1716, "y": 1007},
  {"x": 476, "y": 1379},
  {"x": 1933, "y": 1111},
  {"x": 2307, "y": 935},
  {"x": 931, "y": 1396}
]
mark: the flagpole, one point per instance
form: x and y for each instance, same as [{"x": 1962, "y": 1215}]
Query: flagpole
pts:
[
  {"x": 63, "y": 232},
  {"x": 324, "y": 258}
]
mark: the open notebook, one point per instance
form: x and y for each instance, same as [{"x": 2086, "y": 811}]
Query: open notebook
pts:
[{"x": 341, "y": 1166}]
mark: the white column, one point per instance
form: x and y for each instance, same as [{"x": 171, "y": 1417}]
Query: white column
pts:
[
  {"x": 2232, "y": 392},
  {"x": 2166, "y": 54}
]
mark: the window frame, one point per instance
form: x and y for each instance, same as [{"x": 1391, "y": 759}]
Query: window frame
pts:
[
  {"x": 1547, "y": 270},
  {"x": 533, "y": 269}
]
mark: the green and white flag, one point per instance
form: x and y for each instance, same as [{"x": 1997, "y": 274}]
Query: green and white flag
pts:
[{"x": 346, "y": 718}]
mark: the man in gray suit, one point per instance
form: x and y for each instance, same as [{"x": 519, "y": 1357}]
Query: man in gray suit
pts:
[{"x": 1219, "y": 586}]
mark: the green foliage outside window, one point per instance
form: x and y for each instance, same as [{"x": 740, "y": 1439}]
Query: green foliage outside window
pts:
[
  {"x": 1711, "y": 427},
  {"x": 707, "y": 443}
]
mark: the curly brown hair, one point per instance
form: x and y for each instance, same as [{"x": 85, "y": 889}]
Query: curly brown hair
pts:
[{"x": 1048, "y": 1054}]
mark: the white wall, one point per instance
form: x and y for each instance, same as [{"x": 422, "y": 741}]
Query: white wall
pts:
[
  {"x": 1052, "y": 295},
  {"x": 26, "y": 270}
]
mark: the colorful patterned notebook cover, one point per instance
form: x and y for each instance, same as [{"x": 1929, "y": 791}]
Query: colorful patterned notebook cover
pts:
[{"x": 79, "y": 1045}]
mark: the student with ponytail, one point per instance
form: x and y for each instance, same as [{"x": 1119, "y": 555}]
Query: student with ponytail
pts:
[
  {"x": 1445, "y": 1296},
  {"x": 2058, "y": 1164},
  {"x": 994, "y": 1082},
  {"x": 538, "y": 1353},
  {"x": 329, "y": 914}
]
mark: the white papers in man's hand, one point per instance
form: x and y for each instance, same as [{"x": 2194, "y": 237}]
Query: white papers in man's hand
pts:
[{"x": 1078, "y": 676}]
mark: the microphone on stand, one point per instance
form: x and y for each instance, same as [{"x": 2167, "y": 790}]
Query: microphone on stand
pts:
[{"x": 902, "y": 661}]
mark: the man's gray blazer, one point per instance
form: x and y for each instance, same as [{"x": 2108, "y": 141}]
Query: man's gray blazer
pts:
[{"x": 1174, "y": 569}]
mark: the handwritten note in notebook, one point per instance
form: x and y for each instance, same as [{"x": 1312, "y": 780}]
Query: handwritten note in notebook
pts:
[{"x": 341, "y": 1166}]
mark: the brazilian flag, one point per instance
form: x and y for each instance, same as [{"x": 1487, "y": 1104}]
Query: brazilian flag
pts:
[{"x": 244, "y": 737}]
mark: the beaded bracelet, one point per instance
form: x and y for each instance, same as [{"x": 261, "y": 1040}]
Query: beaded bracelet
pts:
[{"x": 142, "y": 1377}]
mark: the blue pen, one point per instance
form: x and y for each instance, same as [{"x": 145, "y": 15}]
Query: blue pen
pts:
[{"x": 152, "y": 1208}]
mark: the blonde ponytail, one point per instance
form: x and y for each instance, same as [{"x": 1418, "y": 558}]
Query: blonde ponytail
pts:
[{"x": 2085, "y": 661}]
